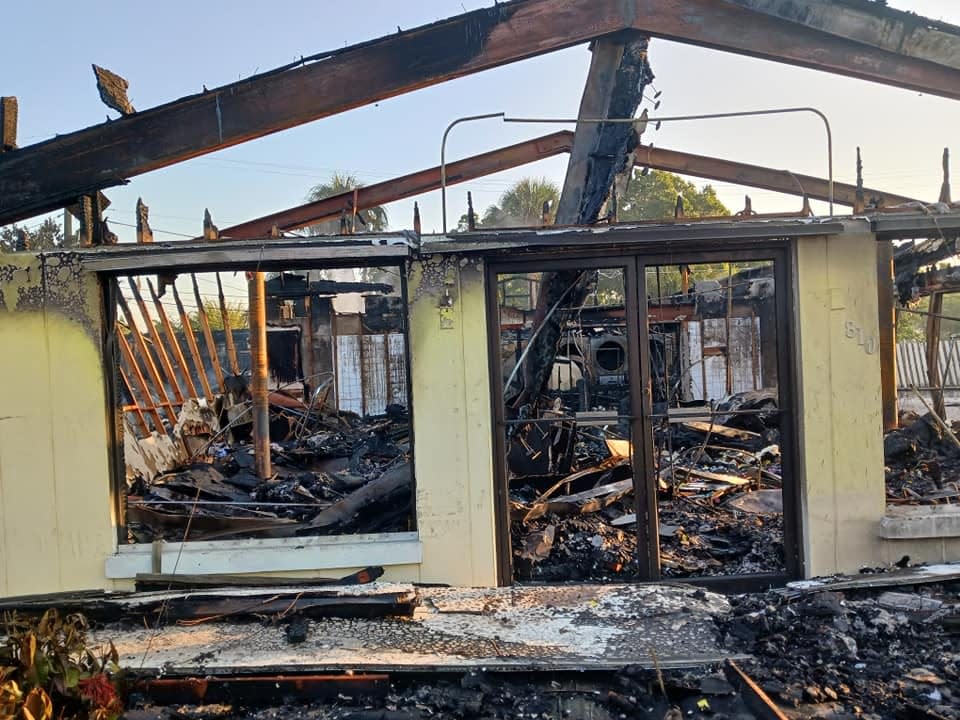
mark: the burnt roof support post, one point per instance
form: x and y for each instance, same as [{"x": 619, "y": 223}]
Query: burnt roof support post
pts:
[
  {"x": 945, "y": 188},
  {"x": 619, "y": 73},
  {"x": 886, "y": 290}
]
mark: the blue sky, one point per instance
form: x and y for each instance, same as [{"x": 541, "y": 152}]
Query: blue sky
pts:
[{"x": 172, "y": 49}]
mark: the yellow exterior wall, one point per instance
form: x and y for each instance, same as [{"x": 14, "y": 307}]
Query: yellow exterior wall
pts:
[
  {"x": 55, "y": 519},
  {"x": 451, "y": 421},
  {"x": 842, "y": 466}
]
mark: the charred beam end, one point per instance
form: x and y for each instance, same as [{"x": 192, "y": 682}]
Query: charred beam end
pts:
[
  {"x": 113, "y": 90},
  {"x": 8, "y": 123},
  {"x": 616, "y": 140},
  {"x": 144, "y": 233}
]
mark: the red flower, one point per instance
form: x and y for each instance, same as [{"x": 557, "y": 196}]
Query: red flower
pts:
[{"x": 99, "y": 690}]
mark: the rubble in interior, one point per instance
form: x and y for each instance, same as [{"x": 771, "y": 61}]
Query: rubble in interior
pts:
[
  {"x": 718, "y": 466},
  {"x": 922, "y": 462},
  {"x": 339, "y": 425}
]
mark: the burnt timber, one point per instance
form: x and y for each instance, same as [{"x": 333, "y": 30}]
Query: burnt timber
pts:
[
  {"x": 703, "y": 166},
  {"x": 862, "y": 40}
]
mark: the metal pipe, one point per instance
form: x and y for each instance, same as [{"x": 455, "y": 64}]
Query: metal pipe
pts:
[
  {"x": 638, "y": 120},
  {"x": 443, "y": 158},
  {"x": 258, "y": 360}
]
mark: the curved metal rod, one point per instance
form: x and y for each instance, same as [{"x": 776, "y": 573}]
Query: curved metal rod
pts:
[
  {"x": 708, "y": 116},
  {"x": 443, "y": 157},
  {"x": 638, "y": 120}
]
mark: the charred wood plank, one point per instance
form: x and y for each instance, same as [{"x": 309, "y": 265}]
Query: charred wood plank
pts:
[
  {"x": 165, "y": 581},
  {"x": 342, "y": 512},
  {"x": 254, "y": 690}
]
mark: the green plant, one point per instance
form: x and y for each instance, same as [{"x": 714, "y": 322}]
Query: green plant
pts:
[{"x": 47, "y": 671}]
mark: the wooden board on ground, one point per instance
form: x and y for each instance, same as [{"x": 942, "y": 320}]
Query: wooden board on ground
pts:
[{"x": 721, "y": 430}]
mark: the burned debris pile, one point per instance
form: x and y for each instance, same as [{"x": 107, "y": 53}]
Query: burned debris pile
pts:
[
  {"x": 477, "y": 694},
  {"x": 884, "y": 652},
  {"x": 719, "y": 491},
  {"x": 922, "y": 462},
  {"x": 333, "y": 472}
]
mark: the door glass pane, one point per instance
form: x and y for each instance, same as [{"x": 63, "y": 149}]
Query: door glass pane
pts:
[
  {"x": 716, "y": 416},
  {"x": 566, "y": 366}
]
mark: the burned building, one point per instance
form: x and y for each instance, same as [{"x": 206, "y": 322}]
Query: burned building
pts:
[{"x": 676, "y": 399}]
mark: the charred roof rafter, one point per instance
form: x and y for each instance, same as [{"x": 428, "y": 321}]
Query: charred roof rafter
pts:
[{"x": 856, "y": 40}]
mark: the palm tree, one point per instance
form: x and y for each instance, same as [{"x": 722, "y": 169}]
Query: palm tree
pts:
[
  {"x": 375, "y": 218},
  {"x": 522, "y": 204}
]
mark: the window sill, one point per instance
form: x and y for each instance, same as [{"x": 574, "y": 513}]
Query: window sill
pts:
[
  {"x": 266, "y": 555},
  {"x": 915, "y": 522}
]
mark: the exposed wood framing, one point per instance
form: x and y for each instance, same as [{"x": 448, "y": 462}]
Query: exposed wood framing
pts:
[
  {"x": 886, "y": 304},
  {"x": 406, "y": 186},
  {"x": 174, "y": 343},
  {"x": 872, "y": 43},
  {"x": 712, "y": 168},
  {"x": 227, "y": 329},
  {"x": 158, "y": 343},
  {"x": 148, "y": 401},
  {"x": 159, "y": 391},
  {"x": 933, "y": 353},
  {"x": 701, "y": 166},
  {"x": 192, "y": 345},
  {"x": 207, "y": 334}
]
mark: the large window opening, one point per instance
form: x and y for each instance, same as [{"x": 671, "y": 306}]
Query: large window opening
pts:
[
  {"x": 716, "y": 417},
  {"x": 566, "y": 424},
  {"x": 338, "y": 394},
  {"x": 645, "y": 428}
]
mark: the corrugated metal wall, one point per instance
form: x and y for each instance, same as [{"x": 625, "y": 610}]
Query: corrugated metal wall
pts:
[
  {"x": 371, "y": 372},
  {"x": 706, "y": 355},
  {"x": 912, "y": 364}
]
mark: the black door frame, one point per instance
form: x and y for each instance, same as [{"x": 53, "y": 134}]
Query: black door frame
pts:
[{"x": 634, "y": 261}]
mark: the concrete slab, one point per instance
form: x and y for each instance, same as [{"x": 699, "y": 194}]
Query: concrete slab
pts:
[{"x": 455, "y": 629}]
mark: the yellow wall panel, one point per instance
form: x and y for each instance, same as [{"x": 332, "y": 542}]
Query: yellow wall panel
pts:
[
  {"x": 841, "y": 420},
  {"x": 451, "y": 421}
]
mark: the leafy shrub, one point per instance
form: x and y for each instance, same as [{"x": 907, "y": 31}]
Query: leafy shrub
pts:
[{"x": 48, "y": 671}]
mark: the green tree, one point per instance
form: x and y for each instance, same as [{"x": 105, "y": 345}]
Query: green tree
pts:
[
  {"x": 236, "y": 313},
  {"x": 374, "y": 219},
  {"x": 522, "y": 204},
  {"x": 47, "y": 236},
  {"x": 654, "y": 197}
]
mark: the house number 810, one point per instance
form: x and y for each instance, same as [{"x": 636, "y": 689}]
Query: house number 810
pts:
[{"x": 853, "y": 331}]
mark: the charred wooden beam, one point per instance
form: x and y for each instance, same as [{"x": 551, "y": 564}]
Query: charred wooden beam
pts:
[
  {"x": 877, "y": 44},
  {"x": 790, "y": 183},
  {"x": 417, "y": 183},
  {"x": 207, "y": 333},
  {"x": 619, "y": 73},
  {"x": 227, "y": 329}
]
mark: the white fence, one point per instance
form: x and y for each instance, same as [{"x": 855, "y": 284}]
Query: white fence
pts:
[{"x": 912, "y": 364}]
